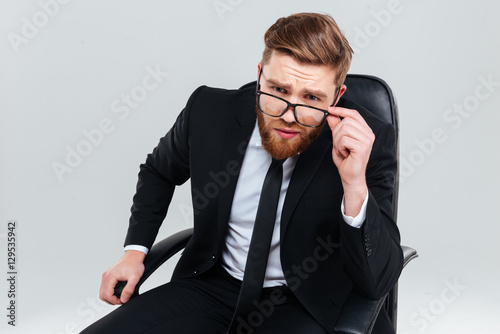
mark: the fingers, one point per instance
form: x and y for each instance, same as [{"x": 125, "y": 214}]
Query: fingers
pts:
[
  {"x": 360, "y": 134},
  {"x": 128, "y": 290},
  {"x": 333, "y": 121},
  {"x": 345, "y": 113},
  {"x": 339, "y": 117},
  {"x": 352, "y": 141},
  {"x": 352, "y": 134},
  {"x": 106, "y": 292},
  {"x": 129, "y": 269}
]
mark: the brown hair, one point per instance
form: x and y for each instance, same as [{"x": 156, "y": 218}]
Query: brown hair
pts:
[{"x": 310, "y": 38}]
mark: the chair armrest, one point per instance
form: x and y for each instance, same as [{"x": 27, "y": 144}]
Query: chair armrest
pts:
[
  {"x": 359, "y": 313},
  {"x": 408, "y": 255},
  {"x": 157, "y": 255}
]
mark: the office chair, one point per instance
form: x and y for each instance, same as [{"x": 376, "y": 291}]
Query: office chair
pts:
[{"x": 359, "y": 313}]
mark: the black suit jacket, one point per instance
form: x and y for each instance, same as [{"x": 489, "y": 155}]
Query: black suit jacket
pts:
[{"x": 322, "y": 257}]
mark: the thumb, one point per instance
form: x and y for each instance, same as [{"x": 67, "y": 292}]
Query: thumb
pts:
[
  {"x": 128, "y": 290},
  {"x": 333, "y": 121}
]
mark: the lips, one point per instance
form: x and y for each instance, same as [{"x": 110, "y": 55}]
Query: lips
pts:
[{"x": 286, "y": 133}]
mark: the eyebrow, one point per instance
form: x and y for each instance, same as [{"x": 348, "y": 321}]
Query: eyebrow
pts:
[{"x": 314, "y": 92}]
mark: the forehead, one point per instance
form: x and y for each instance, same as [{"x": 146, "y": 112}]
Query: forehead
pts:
[{"x": 283, "y": 68}]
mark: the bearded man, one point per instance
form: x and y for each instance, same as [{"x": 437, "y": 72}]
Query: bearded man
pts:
[{"x": 332, "y": 161}]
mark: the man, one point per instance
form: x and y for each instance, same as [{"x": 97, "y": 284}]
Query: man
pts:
[{"x": 336, "y": 165}]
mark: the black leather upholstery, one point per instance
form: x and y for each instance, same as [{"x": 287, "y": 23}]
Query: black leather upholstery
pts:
[{"x": 374, "y": 94}]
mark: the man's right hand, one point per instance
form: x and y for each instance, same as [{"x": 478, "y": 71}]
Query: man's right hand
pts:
[{"x": 129, "y": 268}]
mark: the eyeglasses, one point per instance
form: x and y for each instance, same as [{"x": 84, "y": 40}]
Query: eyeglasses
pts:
[{"x": 304, "y": 114}]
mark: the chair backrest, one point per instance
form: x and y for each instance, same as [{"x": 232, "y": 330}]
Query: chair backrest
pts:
[{"x": 375, "y": 95}]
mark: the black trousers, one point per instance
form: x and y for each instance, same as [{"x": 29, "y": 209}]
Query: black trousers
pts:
[{"x": 205, "y": 305}]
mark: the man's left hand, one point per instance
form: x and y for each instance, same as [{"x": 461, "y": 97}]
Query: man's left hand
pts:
[{"x": 352, "y": 144}]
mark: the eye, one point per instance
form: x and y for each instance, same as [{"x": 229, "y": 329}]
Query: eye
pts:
[
  {"x": 312, "y": 98},
  {"x": 279, "y": 90}
]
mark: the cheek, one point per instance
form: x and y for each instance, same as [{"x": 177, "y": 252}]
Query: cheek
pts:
[
  {"x": 307, "y": 132},
  {"x": 264, "y": 119}
]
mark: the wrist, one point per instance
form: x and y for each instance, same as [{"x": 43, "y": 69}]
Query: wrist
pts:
[
  {"x": 134, "y": 255},
  {"x": 354, "y": 197}
]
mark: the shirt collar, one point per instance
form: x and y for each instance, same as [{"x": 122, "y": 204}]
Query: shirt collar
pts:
[{"x": 255, "y": 139}]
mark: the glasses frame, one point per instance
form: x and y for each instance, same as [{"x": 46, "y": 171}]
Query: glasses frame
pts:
[{"x": 291, "y": 105}]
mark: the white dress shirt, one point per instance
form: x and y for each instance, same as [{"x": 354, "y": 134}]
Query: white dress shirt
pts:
[{"x": 244, "y": 210}]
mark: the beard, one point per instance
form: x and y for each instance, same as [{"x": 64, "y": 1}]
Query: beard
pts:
[{"x": 280, "y": 148}]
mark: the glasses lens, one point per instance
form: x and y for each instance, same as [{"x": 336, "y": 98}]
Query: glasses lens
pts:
[
  {"x": 274, "y": 106},
  {"x": 309, "y": 116},
  {"x": 271, "y": 105}
]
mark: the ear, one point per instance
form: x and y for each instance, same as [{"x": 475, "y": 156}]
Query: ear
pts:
[
  {"x": 342, "y": 91},
  {"x": 259, "y": 71}
]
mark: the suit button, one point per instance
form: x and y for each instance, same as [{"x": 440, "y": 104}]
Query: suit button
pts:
[
  {"x": 214, "y": 257},
  {"x": 195, "y": 272}
]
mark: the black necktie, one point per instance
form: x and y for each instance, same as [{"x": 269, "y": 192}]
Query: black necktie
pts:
[{"x": 258, "y": 253}]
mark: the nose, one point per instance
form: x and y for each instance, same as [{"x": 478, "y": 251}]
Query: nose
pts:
[{"x": 288, "y": 116}]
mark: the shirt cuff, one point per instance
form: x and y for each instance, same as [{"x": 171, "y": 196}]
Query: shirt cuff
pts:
[
  {"x": 357, "y": 221},
  {"x": 139, "y": 248}
]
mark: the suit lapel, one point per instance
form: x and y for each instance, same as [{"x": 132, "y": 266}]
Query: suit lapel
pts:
[
  {"x": 235, "y": 144},
  {"x": 306, "y": 167}
]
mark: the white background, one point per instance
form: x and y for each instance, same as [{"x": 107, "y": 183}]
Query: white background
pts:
[{"x": 63, "y": 74}]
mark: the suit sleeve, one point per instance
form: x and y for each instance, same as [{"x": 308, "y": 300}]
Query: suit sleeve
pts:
[
  {"x": 372, "y": 254},
  {"x": 165, "y": 168}
]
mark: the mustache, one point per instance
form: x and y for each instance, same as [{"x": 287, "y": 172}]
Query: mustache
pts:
[{"x": 281, "y": 123}]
